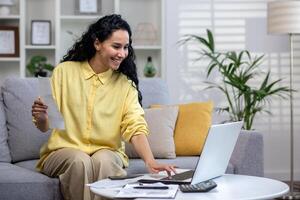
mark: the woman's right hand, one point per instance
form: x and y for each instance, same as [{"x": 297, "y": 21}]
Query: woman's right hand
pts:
[{"x": 40, "y": 115}]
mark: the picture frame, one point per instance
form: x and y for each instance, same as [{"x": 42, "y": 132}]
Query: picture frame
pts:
[
  {"x": 88, "y": 7},
  {"x": 9, "y": 40},
  {"x": 40, "y": 32}
]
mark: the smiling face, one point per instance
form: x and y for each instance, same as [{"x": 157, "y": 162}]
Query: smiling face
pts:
[{"x": 112, "y": 51}]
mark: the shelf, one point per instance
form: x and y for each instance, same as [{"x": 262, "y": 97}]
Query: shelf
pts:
[
  {"x": 50, "y": 47},
  {"x": 68, "y": 24},
  {"x": 80, "y": 17},
  {"x": 146, "y": 47},
  {"x": 10, "y": 17},
  {"x": 10, "y": 59}
]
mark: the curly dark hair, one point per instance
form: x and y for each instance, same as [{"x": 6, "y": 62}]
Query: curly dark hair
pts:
[{"x": 84, "y": 48}]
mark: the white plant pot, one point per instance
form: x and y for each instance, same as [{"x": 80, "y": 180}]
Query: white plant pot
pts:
[{"x": 4, "y": 10}]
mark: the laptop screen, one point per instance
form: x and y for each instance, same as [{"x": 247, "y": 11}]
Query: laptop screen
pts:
[{"x": 217, "y": 150}]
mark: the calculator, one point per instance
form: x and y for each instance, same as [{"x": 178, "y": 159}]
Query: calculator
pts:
[{"x": 199, "y": 187}]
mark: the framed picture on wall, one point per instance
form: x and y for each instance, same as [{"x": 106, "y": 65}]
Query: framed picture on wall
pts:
[
  {"x": 40, "y": 32},
  {"x": 88, "y": 6},
  {"x": 9, "y": 40}
]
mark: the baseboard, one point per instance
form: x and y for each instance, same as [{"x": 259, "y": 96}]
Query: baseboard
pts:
[{"x": 282, "y": 174}]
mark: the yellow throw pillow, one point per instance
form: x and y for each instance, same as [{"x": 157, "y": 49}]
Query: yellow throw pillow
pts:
[{"x": 192, "y": 125}]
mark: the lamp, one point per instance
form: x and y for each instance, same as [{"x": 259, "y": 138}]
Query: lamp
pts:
[
  {"x": 284, "y": 18},
  {"x": 5, "y": 6}
]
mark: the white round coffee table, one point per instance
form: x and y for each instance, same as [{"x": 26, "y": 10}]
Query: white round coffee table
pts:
[{"x": 230, "y": 186}]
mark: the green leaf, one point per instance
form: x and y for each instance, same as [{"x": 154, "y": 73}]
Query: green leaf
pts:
[
  {"x": 210, "y": 40},
  {"x": 238, "y": 69},
  {"x": 38, "y": 62}
]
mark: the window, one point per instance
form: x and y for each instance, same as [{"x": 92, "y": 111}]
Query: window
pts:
[{"x": 237, "y": 25}]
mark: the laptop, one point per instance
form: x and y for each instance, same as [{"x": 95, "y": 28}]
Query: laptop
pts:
[{"x": 214, "y": 159}]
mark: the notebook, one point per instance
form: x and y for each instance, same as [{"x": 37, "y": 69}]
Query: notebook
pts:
[{"x": 214, "y": 159}]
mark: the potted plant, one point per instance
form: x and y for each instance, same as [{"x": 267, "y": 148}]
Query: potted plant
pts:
[
  {"x": 237, "y": 70},
  {"x": 38, "y": 66}
]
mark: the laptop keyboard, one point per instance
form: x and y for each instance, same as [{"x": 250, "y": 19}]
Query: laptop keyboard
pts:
[{"x": 181, "y": 176}]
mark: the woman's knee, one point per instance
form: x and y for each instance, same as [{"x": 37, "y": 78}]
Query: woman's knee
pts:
[
  {"x": 106, "y": 158},
  {"x": 103, "y": 155},
  {"x": 80, "y": 158},
  {"x": 77, "y": 160}
]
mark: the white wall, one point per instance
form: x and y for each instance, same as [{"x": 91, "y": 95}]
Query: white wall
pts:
[{"x": 185, "y": 83}]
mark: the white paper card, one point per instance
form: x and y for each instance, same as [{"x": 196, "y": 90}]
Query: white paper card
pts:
[
  {"x": 55, "y": 118},
  {"x": 41, "y": 32},
  {"x": 7, "y": 41},
  {"x": 130, "y": 192},
  {"x": 88, "y": 6}
]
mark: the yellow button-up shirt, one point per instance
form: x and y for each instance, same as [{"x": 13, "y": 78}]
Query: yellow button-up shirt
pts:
[{"x": 99, "y": 110}]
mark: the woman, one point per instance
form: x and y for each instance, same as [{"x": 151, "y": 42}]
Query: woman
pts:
[{"x": 96, "y": 90}]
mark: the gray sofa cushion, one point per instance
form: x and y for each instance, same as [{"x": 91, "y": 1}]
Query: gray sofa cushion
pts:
[
  {"x": 161, "y": 123},
  {"x": 17, "y": 183},
  {"x": 154, "y": 91},
  {"x": 28, "y": 164},
  {"x": 4, "y": 151},
  {"x": 248, "y": 154},
  {"x": 24, "y": 139}
]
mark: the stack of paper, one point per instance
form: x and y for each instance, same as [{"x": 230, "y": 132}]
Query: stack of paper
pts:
[
  {"x": 136, "y": 191},
  {"x": 107, "y": 183}
]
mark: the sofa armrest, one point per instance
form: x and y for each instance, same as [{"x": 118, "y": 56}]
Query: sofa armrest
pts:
[{"x": 247, "y": 157}]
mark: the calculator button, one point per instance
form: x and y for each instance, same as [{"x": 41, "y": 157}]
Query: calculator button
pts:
[{"x": 199, "y": 187}]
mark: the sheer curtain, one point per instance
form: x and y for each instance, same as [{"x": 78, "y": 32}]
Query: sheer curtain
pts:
[{"x": 237, "y": 25}]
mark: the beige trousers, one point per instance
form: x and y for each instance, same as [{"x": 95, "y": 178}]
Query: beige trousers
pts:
[{"x": 75, "y": 169}]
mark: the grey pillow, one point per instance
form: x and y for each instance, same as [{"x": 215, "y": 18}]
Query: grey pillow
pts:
[
  {"x": 24, "y": 139},
  {"x": 154, "y": 91},
  {"x": 161, "y": 123},
  {"x": 4, "y": 150}
]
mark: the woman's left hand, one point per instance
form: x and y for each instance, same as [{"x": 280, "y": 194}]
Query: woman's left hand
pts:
[{"x": 154, "y": 167}]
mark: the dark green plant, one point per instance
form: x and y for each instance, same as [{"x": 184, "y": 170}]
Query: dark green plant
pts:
[
  {"x": 237, "y": 69},
  {"x": 38, "y": 66}
]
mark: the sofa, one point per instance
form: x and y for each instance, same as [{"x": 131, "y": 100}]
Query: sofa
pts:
[{"x": 20, "y": 142}]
